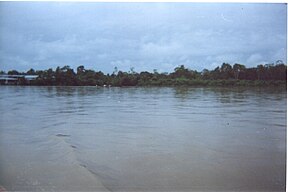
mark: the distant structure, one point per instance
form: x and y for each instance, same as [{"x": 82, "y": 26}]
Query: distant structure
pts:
[{"x": 16, "y": 79}]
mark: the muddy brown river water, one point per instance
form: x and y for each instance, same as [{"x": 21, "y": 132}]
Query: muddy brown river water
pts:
[{"x": 142, "y": 139}]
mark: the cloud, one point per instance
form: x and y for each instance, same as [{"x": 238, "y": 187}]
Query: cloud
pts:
[
  {"x": 145, "y": 36},
  {"x": 225, "y": 19},
  {"x": 161, "y": 50},
  {"x": 256, "y": 59},
  {"x": 122, "y": 64}
]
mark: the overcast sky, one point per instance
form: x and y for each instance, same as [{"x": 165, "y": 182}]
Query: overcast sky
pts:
[{"x": 145, "y": 36}]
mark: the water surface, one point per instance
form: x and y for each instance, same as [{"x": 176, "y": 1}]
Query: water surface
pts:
[{"x": 142, "y": 139}]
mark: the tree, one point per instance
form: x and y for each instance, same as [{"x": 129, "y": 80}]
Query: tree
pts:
[
  {"x": 80, "y": 70},
  {"x": 65, "y": 76},
  {"x": 49, "y": 76},
  {"x": 279, "y": 62},
  {"x": 132, "y": 71},
  {"x": 216, "y": 73},
  {"x": 13, "y": 72},
  {"x": 31, "y": 72},
  {"x": 260, "y": 72},
  {"x": 70, "y": 76},
  {"x": 205, "y": 74},
  {"x": 115, "y": 71},
  {"x": 251, "y": 74},
  {"x": 100, "y": 78},
  {"x": 226, "y": 71},
  {"x": 237, "y": 68},
  {"x": 89, "y": 77},
  {"x": 145, "y": 77},
  {"x": 278, "y": 72},
  {"x": 181, "y": 71}
]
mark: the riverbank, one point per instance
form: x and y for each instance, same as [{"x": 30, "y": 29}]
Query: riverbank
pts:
[
  {"x": 211, "y": 83},
  {"x": 226, "y": 75},
  {"x": 179, "y": 82}
]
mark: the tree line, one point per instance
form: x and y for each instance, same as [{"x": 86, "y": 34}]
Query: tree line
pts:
[{"x": 224, "y": 75}]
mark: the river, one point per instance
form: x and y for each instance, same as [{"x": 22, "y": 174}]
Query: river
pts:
[{"x": 142, "y": 139}]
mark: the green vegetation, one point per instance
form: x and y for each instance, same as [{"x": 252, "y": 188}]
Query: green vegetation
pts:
[{"x": 225, "y": 75}]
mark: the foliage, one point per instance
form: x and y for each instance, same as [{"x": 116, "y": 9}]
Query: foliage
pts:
[{"x": 224, "y": 75}]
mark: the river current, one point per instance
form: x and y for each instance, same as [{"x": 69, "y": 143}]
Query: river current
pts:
[{"x": 142, "y": 139}]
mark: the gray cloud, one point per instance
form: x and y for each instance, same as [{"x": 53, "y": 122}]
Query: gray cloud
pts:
[{"x": 145, "y": 36}]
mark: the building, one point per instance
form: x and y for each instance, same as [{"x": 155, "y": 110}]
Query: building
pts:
[{"x": 16, "y": 79}]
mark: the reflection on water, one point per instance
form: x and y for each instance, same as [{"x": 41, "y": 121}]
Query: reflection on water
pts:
[{"x": 142, "y": 139}]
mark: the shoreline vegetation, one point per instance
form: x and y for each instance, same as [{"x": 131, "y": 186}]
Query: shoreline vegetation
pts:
[{"x": 225, "y": 75}]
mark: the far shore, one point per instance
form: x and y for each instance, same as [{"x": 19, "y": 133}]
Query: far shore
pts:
[{"x": 177, "y": 83}]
